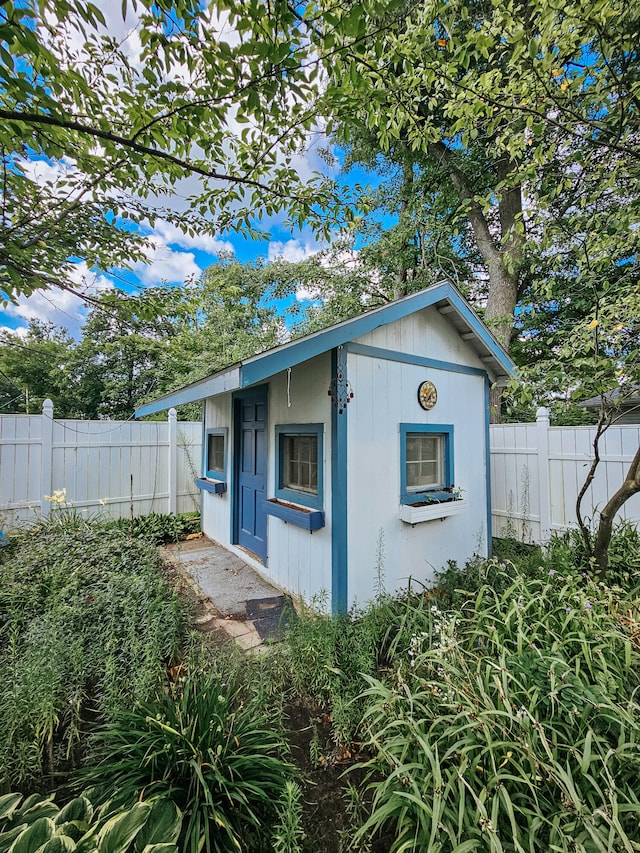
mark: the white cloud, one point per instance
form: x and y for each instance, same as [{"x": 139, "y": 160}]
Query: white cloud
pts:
[
  {"x": 165, "y": 264},
  {"x": 20, "y": 332},
  {"x": 60, "y": 307},
  {"x": 47, "y": 172},
  {"x": 169, "y": 233},
  {"x": 292, "y": 250}
]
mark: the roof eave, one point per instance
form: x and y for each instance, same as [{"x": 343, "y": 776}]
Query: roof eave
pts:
[{"x": 218, "y": 383}]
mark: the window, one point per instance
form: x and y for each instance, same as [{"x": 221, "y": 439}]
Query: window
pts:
[
  {"x": 299, "y": 464},
  {"x": 426, "y": 461},
  {"x": 216, "y": 453}
]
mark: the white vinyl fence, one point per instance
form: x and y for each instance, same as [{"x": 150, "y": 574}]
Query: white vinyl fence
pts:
[
  {"x": 538, "y": 470},
  {"x": 108, "y": 467},
  {"x": 116, "y": 467}
]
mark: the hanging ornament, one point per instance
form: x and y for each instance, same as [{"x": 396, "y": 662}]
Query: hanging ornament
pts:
[{"x": 340, "y": 391}]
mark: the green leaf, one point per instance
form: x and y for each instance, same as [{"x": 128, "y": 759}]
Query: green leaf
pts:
[
  {"x": 8, "y": 804},
  {"x": 34, "y": 836},
  {"x": 119, "y": 831},
  {"x": 162, "y": 826},
  {"x": 58, "y": 844}
]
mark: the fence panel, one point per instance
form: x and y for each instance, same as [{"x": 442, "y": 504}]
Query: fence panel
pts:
[
  {"x": 537, "y": 472},
  {"x": 118, "y": 467},
  {"x": 111, "y": 467}
]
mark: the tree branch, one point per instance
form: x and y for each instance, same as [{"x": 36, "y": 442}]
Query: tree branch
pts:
[{"x": 132, "y": 145}]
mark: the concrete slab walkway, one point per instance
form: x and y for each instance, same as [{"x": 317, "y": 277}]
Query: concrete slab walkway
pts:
[{"x": 224, "y": 582}]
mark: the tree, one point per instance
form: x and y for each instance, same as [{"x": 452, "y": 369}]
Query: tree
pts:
[
  {"x": 229, "y": 315},
  {"x": 505, "y": 107},
  {"x": 98, "y": 131},
  {"x": 125, "y": 351},
  {"x": 36, "y": 366}
]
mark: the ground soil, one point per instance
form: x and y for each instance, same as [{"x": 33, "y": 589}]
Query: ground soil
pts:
[{"x": 326, "y": 772}]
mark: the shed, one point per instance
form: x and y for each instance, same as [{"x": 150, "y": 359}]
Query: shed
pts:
[{"x": 357, "y": 451}]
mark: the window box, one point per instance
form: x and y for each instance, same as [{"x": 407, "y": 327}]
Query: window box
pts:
[
  {"x": 208, "y": 485},
  {"x": 431, "y": 510},
  {"x": 302, "y": 516}
]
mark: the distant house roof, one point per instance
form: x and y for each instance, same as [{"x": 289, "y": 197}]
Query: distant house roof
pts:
[
  {"x": 626, "y": 401},
  {"x": 444, "y": 297},
  {"x": 627, "y": 405}
]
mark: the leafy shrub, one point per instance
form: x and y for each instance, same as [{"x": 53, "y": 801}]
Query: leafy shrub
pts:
[
  {"x": 515, "y": 729},
  {"x": 210, "y": 748},
  {"x": 158, "y": 528},
  {"x": 328, "y": 655},
  {"x": 86, "y": 623},
  {"x": 566, "y": 552},
  {"x": 38, "y": 824}
]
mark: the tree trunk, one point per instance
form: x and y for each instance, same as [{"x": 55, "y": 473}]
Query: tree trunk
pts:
[
  {"x": 501, "y": 253},
  {"x": 630, "y": 487}
]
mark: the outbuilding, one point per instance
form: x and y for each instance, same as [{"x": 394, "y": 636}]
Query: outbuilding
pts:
[{"x": 357, "y": 452}]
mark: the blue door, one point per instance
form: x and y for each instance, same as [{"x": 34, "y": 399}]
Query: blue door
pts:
[{"x": 250, "y": 525}]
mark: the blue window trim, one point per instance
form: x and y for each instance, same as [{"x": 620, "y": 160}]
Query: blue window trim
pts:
[
  {"x": 293, "y": 495},
  {"x": 215, "y": 473},
  {"x": 408, "y": 496}
]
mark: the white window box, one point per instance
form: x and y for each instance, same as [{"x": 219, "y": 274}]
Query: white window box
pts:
[{"x": 415, "y": 513}]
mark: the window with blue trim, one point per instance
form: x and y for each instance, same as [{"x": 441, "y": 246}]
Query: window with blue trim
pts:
[
  {"x": 216, "y": 453},
  {"x": 426, "y": 462},
  {"x": 299, "y": 458}
]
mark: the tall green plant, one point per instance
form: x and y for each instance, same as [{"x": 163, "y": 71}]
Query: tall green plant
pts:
[
  {"x": 211, "y": 749},
  {"x": 86, "y": 623},
  {"x": 517, "y": 729}
]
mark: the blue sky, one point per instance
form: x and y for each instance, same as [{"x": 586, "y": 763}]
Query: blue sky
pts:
[{"x": 173, "y": 257}]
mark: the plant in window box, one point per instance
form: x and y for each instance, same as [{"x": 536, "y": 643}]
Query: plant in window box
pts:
[
  {"x": 429, "y": 506},
  {"x": 444, "y": 495}
]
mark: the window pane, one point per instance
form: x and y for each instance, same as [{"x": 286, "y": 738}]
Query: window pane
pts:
[
  {"x": 413, "y": 474},
  {"x": 215, "y": 453},
  {"x": 413, "y": 448},
  {"x": 425, "y": 460},
  {"x": 300, "y": 463}
]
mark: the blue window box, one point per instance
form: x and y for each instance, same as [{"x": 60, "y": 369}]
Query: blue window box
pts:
[
  {"x": 215, "y": 486},
  {"x": 308, "y": 519}
]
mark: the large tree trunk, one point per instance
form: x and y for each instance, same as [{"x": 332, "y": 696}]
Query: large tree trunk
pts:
[
  {"x": 630, "y": 487},
  {"x": 502, "y": 254}
]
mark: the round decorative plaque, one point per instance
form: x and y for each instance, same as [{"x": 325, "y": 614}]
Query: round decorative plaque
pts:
[{"x": 427, "y": 394}]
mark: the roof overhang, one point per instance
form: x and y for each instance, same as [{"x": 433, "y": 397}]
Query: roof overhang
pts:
[{"x": 444, "y": 297}]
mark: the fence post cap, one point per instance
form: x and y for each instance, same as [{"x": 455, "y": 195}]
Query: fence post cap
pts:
[
  {"x": 542, "y": 414},
  {"x": 47, "y": 405},
  {"x": 173, "y": 413}
]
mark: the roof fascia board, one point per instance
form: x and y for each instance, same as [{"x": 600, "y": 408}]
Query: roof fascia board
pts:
[
  {"x": 481, "y": 331},
  {"x": 229, "y": 380}
]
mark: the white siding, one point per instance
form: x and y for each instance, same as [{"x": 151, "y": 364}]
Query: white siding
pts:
[
  {"x": 297, "y": 561},
  {"x": 426, "y": 333},
  {"x": 216, "y": 509},
  {"x": 385, "y": 395}
]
